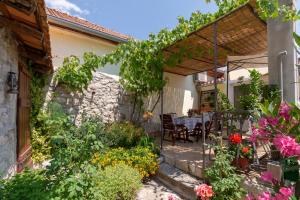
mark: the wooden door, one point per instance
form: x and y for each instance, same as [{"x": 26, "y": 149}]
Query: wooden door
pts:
[{"x": 23, "y": 120}]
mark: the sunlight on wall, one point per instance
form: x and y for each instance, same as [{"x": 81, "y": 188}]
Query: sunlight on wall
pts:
[
  {"x": 180, "y": 95},
  {"x": 65, "y": 43}
]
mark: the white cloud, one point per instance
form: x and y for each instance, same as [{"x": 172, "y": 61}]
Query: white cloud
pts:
[{"x": 66, "y": 6}]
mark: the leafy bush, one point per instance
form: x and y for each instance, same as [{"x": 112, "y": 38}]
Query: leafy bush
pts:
[
  {"x": 72, "y": 148},
  {"x": 77, "y": 185},
  {"x": 254, "y": 91},
  {"x": 117, "y": 182},
  {"x": 149, "y": 142},
  {"x": 140, "y": 158},
  {"x": 223, "y": 178},
  {"x": 31, "y": 184},
  {"x": 52, "y": 121},
  {"x": 124, "y": 134}
]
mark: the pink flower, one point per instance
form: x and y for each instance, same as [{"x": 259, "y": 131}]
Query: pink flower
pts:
[
  {"x": 265, "y": 196},
  {"x": 286, "y": 145},
  {"x": 259, "y": 134},
  {"x": 284, "y": 110},
  {"x": 263, "y": 122},
  {"x": 273, "y": 121},
  {"x": 204, "y": 191},
  {"x": 286, "y": 192},
  {"x": 249, "y": 197},
  {"x": 171, "y": 197},
  {"x": 267, "y": 177}
]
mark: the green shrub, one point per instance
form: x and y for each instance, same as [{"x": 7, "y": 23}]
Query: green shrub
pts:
[
  {"x": 29, "y": 185},
  {"x": 140, "y": 158},
  {"x": 73, "y": 147},
  {"x": 149, "y": 142},
  {"x": 223, "y": 178},
  {"x": 50, "y": 122},
  {"x": 117, "y": 182},
  {"x": 76, "y": 185},
  {"x": 124, "y": 134}
]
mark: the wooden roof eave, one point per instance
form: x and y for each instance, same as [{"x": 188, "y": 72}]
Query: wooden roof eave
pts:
[{"x": 31, "y": 30}]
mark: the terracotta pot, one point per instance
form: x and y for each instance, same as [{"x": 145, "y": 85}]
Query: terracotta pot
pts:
[{"x": 243, "y": 163}]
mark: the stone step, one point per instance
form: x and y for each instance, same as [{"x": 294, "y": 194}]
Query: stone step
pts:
[
  {"x": 193, "y": 168},
  {"x": 178, "y": 181}
]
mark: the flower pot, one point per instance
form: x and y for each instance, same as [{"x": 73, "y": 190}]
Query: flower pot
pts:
[{"x": 243, "y": 163}]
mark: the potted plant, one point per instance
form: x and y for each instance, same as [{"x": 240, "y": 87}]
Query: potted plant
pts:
[{"x": 245, "y": 157}]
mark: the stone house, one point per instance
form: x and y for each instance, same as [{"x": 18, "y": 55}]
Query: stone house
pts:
[
  {"x": 24, "y": 39},
  {"x": 104, "y": 97}
]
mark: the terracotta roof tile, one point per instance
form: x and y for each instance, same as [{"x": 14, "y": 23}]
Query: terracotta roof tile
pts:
[{"x": 77, "y": 20}]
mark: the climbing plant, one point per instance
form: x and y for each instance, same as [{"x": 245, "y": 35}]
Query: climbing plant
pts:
[{"x": 141, "y": 62}]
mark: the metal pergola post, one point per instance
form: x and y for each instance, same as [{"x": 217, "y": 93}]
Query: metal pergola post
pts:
[
  {"x": 215, "y": 71},
  {"x": 161, "y": 115}
]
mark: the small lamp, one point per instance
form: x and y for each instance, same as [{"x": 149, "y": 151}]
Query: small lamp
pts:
[{"x": 12, "y": 83}]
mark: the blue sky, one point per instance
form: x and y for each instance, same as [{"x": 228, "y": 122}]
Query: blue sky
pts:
[
  {"x": 137, "y": 18},
  {"x": 133, "y": 17}
]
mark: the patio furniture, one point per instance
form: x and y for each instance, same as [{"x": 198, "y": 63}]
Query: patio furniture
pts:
[
  {"x": 198, "y": 131},
  {"x": 176, "y": 131},
  {"x": 190, "y": 122}
]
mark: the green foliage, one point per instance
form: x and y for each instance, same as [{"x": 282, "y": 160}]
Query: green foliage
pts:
[
  {"x": 140, "y": 158},
  {"x": 117, "y": 182},
  {"x": 223, "y": 102},
  {"x": 77, "y": 185},
  {"x": 149, "y": 142},
  {"x": 71, "y": 148},
  {"x": 76, "y": 76},
  {"x": 223, "y": 178},
  {"x": 49, "y": 122},
  {"x": 271, "y": 9},
  {"x": 141, "y": 62},
  {"x": 124, "y": 134},
  {"x": 270, "y": 93},
  {"x": 39, "y": 140},
  {"x": 29, "y": 185},
  {"x": 252, "y": 100}
]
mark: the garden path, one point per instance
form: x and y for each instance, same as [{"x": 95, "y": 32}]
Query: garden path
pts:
[{"x": 155, "y": 190}]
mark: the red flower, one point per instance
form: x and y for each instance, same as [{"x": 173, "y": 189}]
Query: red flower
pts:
[
  {"x": 245, "y": 149},
  {"x": 235, "y": 138}
]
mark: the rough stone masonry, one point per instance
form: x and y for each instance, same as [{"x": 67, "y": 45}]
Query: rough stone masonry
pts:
[
  {"x": 104, "y": 98},
  {"x": 8, "y": 104}
]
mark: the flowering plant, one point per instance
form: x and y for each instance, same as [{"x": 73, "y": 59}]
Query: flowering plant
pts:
[
  {"x": 205, "y": 192},
  {"x": 278, "y": 193},
  {"x": 246, "y": 151},
  {"x": 147, "y": 115},
  {"x": 279, "y": 123},
  {"x": 235, "y": 138}
]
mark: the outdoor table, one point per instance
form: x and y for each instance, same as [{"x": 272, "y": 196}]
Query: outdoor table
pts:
[{"x": 190, "y": 122}]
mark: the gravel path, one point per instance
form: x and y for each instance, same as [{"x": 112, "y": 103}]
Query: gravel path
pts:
[{"x": 155, "y": 190}]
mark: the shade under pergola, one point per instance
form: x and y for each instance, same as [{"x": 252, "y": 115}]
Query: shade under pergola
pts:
[{"x": 238, "y": 33}]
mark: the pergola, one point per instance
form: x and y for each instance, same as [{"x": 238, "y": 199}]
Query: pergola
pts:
[{"x": 238, "y": 33}]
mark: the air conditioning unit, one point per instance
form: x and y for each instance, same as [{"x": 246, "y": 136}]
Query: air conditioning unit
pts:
[{"x": 200, "y": 77}]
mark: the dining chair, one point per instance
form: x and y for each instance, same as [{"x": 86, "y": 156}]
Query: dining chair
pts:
[
  {"x": 175, "y": 131},
  {"x": 198, "y": 131}
]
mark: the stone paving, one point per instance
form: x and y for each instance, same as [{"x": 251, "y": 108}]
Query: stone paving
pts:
[{"x": 155, "y": 190}]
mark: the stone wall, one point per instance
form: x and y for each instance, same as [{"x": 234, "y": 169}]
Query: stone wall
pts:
[
  {"x": 104, "y": 98},
  {"x": 8, "y": 104}
]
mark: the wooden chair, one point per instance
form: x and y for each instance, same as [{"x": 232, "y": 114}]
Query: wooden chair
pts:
[
  {"x": 198, "y": 131},
  {"x": 175, "y": 131}
]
